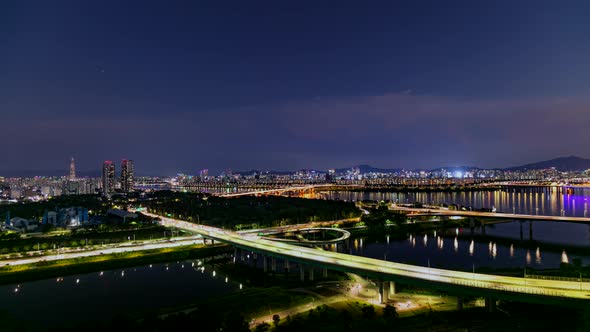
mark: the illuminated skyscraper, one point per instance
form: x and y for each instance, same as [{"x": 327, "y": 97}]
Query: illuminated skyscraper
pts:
[
  {"x": 72, "y": 169},
  {"x": 108, "y": 177},
  {"x": 127, "y": 169}
]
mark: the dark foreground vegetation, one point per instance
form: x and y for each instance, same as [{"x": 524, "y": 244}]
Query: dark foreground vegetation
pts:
[
  {"x": 247, "y": 211},
  {"x": 352, "y": 316}
]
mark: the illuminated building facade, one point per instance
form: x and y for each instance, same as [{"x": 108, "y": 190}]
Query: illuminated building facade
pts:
[
  {"x": 127, "y": 170},
  {"x": 108, "y": 177}
]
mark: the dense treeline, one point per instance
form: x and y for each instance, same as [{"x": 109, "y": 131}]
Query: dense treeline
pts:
[
  {"x": 381, "y": 216},
  {"x": 35, "y": 210},
  {"x": 248, "y": 211}
]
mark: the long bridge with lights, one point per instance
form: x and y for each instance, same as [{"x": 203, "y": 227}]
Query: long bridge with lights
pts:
[
  {"x": 437, "y": 211},
  {"x": 278, "y": 191},
  {"x": 568, "y": 292}
]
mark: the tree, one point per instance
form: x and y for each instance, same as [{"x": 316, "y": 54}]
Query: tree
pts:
[
  {"x": 368, "y": 311},
  {"x": 235, "y": 322},
  {"x": 262, "y": 327},
  {"x": 389, "y": 312},
  {"x": 276, "y": 319}
]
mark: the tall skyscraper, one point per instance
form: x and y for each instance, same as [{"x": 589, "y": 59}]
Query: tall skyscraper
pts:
[
  {"x": 72, "y": 169},
  {"x": 127, "y": 169},
  {"x": 108, "y": 177}
]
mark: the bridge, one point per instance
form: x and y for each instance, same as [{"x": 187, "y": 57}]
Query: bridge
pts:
[
  {"x": 437, "y": 211},
  {"x": 278, "y": 191},
  {"x": 471, "y": 284}
]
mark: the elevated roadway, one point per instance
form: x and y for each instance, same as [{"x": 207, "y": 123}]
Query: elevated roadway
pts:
[
  {"x": 277, "y": 190},
  {"x": 435, "y": 211},
  {"x": 301, "y": 240},
  {"x": 476, "y": 284}
]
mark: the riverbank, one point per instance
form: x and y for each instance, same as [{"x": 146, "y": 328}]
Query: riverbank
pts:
[{"x": 60, "y": 268}]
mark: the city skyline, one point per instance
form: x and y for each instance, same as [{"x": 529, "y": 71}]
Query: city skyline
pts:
[
  {"x": 250, "y": 87},
  {"x": 563, "y": 163}
]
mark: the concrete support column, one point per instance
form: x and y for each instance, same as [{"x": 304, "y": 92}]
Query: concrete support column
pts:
[
  {"x": 521, "y": 236},
  {"x": 311, "y": 274},
  {"x": 391, "y": 288},
  {"x": 301, "y": 272},
  {"x": 325, "y": 272},
  {"x": 483, "y": 228},
  {"x": 490, "y": 304},
  {"x": 265, "y": 263},
  {"x": 273, "y": 264},
  {"x": 204, "y": 241},
  {"x": 530, "y": 230},
  {"x": 459, "y": 303},
  {"x": 382, "y": 293}
]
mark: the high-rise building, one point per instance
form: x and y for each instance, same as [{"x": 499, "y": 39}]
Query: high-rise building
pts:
[
  {"x": 127, "y": 169},
  {"x": 72, "y": 169},
  {"x": 108, "y": 177}
]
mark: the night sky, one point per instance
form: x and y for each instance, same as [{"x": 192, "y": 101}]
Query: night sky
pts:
[{"x": 184, "y": 85}]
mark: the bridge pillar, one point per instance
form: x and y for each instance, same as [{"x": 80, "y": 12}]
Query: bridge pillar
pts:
[
  {"x": 301, "y": 272},
  {"x": 204, "y": 241},
  {"x": 459, "y": 303},
  {"x": 530, "y": 230},
  {"x": 490, "y": 304},
  {"x": 521, "y": 236},
  {"x": 265, "y": 263},
  {"x": 311, "y": 274},
  {"x": 325, "y": 272},
  {"x": 383, "y": 292},
  {"x": 392, "y": 288},
  {"x": 483, "y": 228},
  {"x": 273, "y": 264},
  {"x": 286, "y": 267}
]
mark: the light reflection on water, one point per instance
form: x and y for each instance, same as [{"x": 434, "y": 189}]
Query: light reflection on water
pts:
[
  {"x": 463, "y": 253},
  {"x": 524, "y": 200}
]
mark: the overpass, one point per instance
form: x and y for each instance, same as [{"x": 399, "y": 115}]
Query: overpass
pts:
[
  {"x": 301, "y": 240},
  {"x": 457, "y": 282},
  {"x": 437, "y": 211}
]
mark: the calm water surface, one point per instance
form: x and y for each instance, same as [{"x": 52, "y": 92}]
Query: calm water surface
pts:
[
  {"x": 525, "y": 200},
  {"x": 95, "y": 296}
]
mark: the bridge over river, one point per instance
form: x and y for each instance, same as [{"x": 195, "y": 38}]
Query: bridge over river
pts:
[
  {"x": 564, "y": 292},
  {"x": 437, "y": 211}
]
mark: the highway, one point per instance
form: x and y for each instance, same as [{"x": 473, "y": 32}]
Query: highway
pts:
[
  {"x": 185, "y": 241},
  {"x": 370, "y": 266},
  {"x": 436, "y": 211}
]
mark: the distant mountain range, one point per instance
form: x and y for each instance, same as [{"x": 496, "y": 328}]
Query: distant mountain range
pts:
[
  {"x": 564, "y": 164},
  {"x": 369, "y": 169}
]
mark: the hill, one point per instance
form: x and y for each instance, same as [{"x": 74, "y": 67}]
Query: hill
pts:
[{"x": 564, "y": 164}]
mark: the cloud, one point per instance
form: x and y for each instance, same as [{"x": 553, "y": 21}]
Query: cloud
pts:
[{"x": 389, "y": 130}]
